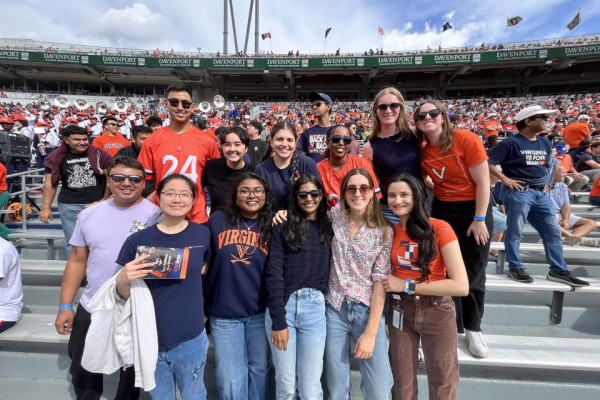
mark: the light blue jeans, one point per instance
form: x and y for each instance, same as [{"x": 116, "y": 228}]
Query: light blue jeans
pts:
[
  {"x": 183, "y": 365},
  {"x": 344, "y": 327},
  {"x": 537, "y": 208},
  {"x": 68, "y": 216},
  {"x": 305, "y": 317},
  {"x": 241, "y": 357}
]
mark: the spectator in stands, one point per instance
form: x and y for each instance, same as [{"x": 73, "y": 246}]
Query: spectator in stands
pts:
[
  {"x": 111, "y": 139},
  {"x": 257, "y": 147},
  {"x": 22, "y": 126},
  {"x": 559, "y": 193},
  {"x": 573, "y": 179},
  {"x": 456, "y": 162},
  {"x": 11, "y": 289},
  {"x": 7, "y": 124},
  {"x": 579, "y": 151},
  {"x": 154, "y": 122},
  {"x": 355, "y": 327},
  {"x": 287, "y": 164},
  {"x": 338, "y": 162},
  {"x": 312, "y": 140},
  {"x": 94, "y": 128},
  {"x": 94, "y": 248},
  {"x": 392, "y": 146},
  {"x": 178, "y": 303},
  {"x": 492, "y": 127},
  {"x": 220, "y": 174},
  {"x": 527, "y": 170},
  {"x": 297, "y": 280},
  {"x": 80, "y": 168},
  {"x": 577, "y": 131},
  {"x": 589, "y": 162},
  {"x": 236, "y": 295},
  {"x": 426, "y": 260},
  {"x": 139, "y": 134},
  {"x": 595, "y": 193},
  {"x": 180, "y": 148},
  {"x": 354, "y": 148},
  {"x": 4, "y": 197}
]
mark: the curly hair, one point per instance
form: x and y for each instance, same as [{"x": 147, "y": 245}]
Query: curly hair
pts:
[
  {"x": 294, "y": 232},
  {"x": 266, "y": 213}
]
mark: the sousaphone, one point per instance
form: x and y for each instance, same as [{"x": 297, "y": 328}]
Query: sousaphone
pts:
[{"x": 61, "y": 102}]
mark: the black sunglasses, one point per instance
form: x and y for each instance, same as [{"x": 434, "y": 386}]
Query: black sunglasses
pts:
[
  {"x": 336, "y": 139},
  {"x": 423, "y": 114},
  {"x": 391, "y": 106},
  {"x": 544, "y": 116},
  {"x": 318, "y": 104},
  {"x": 184, "y": 103},
  {"x": 119, "y": 178},
  {"x": 314, "y": 194}
]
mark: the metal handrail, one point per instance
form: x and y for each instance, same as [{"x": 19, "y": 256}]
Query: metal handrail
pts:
[{"x": 24, "y": 190}]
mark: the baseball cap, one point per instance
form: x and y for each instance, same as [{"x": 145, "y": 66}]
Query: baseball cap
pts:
[
  {"x": 561, "y": 149},
  {"x": 583, "y": 116},
  {"x": 313, "y": 96},
  {"x": 492, "y": 114},
  {"x": 531, "y": 111},
  {"x": 6, "y": 120}
]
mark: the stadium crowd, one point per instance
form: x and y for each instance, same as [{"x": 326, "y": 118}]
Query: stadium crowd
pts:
[{"x": 303, "y": 230}]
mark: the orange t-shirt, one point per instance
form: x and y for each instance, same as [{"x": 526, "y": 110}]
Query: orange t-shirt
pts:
[
  {"x": 575, "y": 133},
  {"x": 111, "y": 144},
  {"x": 566, "y": 161},
  {"x": 3, "y": 184},
  {"x": 166, "y": 152},
  {"x": 450, "y": 170},
  {"x": 405, "y": 251},
  {"x": 492, "y": 124},
  {"x": 595, "y": 192},
  {"x": 332, "y": 180}
]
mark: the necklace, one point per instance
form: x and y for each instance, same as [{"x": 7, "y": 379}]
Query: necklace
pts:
[{"x": 249, "y": 227}]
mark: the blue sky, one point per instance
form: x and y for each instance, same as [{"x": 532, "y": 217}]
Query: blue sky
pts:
[{"x": 295, "y": 25}]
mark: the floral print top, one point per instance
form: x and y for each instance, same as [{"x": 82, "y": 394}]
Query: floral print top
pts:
[{"x": 356, "y": 260}]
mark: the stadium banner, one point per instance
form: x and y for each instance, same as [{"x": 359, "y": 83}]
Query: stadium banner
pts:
[{"x": 233, "y": 63}]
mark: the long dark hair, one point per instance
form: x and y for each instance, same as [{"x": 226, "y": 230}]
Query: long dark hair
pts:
[
  {"x": 294, "y": 232},
  {"x": 418, "y": 226},
  {"x": 265, "y": 215}
]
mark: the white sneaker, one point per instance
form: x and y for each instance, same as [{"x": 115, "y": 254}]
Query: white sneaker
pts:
[
  {"x": 477, "y": 345},
  {"x": 591, "y": 242}
]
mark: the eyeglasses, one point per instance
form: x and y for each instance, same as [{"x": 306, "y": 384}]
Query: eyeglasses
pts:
[
  {"x": 423, "y": 114},
  {"x": 314, "y": 194},
  {"x": 391, "y": 106},
  {"x": 364, "y": 189},
  {"x": 119, "y": 178},
  {"x": 110, "y": 124},
  {"x": 184, "y": 103},
  {"x": 257, "y": 191},
  {"x": 183, "y": 196},
  {"x": 336, "y": 139},
  {"x": 318, "y": 104}
]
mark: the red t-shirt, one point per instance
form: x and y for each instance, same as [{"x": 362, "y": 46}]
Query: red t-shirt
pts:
[
  {"x": 111, "y": 144},
  {"x": 405, "y": 251},
  {"x": 3, "y": 185},
  {"x": 166, "y": 152},
  {"x": 332, "y": 180},
  {"x": 450, "y": 170}
]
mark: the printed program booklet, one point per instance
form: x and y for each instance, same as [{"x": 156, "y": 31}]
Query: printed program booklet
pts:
[{"x": 169, "y": 262}]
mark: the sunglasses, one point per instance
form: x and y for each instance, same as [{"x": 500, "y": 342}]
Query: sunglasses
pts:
[
  {"x": 119, "y": 178},
  {"x": 364, "y": 189},
  {"x": 336, "y": 139},
  {"x": 318, "y": 104},
  {"x": 314, "y": 194},
  {"x": 543, "y": 116},
  {"x": 391, "y": 106},
  {"x": 184, "y": 103},
  {"x": 423, "y": 114}
]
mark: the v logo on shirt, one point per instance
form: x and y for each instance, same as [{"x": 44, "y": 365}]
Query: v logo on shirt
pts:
[{"x": 441, "y": 173}]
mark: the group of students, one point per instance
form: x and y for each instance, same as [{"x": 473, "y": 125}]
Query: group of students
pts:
[{"x": 298, "y": 258}]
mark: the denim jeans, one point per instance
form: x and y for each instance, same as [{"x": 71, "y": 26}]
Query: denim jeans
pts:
[
  {"x": 344, "y": 327},
  {"x": 429, "y": 319},
  {"x": 68, "y": 216},
  {"x": 305, "y": 317},
  {"x": 241, "y": 357},
  {"x": 183, "y": 365},
  {"x": 595, "y": 200},
  {"x": 537, "y": 208}
]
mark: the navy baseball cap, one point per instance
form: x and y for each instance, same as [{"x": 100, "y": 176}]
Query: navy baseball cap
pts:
[{"x": 313, "y": 96}]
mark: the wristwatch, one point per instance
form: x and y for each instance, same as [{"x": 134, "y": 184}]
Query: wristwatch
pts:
[{"x": 411, "y": 287}]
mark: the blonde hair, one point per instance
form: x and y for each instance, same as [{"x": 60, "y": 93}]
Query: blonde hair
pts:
[
  {"x": 373, "y": 216},
  {"x": 402, "y": 122}
]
